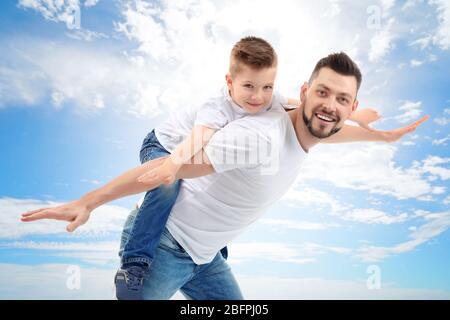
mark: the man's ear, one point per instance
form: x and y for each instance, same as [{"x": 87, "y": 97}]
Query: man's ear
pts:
[
  {"x": 229, "y": 81},
  {"x": 355, "y": 105},
  {"x": 304, "y": 92}
]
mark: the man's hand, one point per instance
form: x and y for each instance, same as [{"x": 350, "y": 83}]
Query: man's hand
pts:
[
  {"x": 396, "y": 134},
  {"x": 363, "y": 117},
  {"x": 75, "y": 212}
]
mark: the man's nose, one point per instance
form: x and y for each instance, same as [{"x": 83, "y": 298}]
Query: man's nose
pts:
[{"x": 330, "y": 104}]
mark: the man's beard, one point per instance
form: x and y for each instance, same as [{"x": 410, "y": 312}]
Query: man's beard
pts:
[{"x": 317, "y": 134}]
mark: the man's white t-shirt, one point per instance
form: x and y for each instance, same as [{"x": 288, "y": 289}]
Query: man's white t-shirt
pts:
[
  {"x": 256, "y": 158},
  {"x": 215, "y": 113}
]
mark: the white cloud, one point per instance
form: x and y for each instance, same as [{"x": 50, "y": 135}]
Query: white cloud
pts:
[
  {"x": 97, "y": 284},
  {"x": 97, "y": 253},
  {"x": 67, "y": 11},
  {"x": 287, "y": 288},
  {"x": 26, "y": 282},
  {"x": 373, "y": 216},
  {"x": 281, "y": 252},
  {"x": 301, "y": 195},
  {"x": 297, "y": 225},
  {"x": 431, "y": 165},
  {"x": 443, "y": 121},
  {"x": 366, "y": 167},
  {"x": 446, "y": 200},
  {"x": 442, "y": 36},
  {"x": 416, "y": 63},
  {"x": 410, "y": 111},
  {"x": 441, "y": 141},
  {"x": 104, "y": 220},
  {"x": 382, "y": 42},
  {"x": 436, "y": 224}
]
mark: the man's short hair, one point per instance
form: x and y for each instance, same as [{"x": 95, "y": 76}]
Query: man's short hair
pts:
[
  {"x": 252, "y": 52},
  {"x": 340, "y": 63}
]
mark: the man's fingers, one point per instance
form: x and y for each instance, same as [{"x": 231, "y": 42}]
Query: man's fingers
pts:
[
  {"x": 45, "y": 214},
  {"x": 74, "y": 225},
  {"x": 29, "y": 213},
  {"x": 421, "y": 120}
]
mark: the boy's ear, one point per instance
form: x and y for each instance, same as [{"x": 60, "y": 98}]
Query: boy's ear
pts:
[
  {"x": 229, "y": 80},
  {"x": 304, "y": 91}
]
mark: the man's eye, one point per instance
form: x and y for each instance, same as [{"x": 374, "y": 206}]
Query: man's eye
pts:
[
  {"x": 248, "y": 86},
  {"x": 344, "y": 100},
  {"x": 321, "y": 93}
]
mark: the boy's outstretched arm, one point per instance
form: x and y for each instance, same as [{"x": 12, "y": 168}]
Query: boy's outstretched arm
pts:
[
  {"x": 363, "y": 117},
  {"x": 355, "y": 133},
  {"x": 78, "y": 212}
]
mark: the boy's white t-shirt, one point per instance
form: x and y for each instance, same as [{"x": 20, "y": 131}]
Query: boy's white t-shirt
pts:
[
  {"x": 215, "y": 113},
  {"x": 256, "y": 158}
]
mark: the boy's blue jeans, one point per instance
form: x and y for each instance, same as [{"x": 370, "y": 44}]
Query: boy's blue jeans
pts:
[
  {"x": 150, "y": 220},
  {"x": 172, "y": 269}
]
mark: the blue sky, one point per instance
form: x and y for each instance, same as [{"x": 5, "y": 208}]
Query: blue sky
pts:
[{"x": 75, "y": 104}]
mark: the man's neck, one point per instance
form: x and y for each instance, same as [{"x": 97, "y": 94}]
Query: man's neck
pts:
[{"x": 304, "y": 137}]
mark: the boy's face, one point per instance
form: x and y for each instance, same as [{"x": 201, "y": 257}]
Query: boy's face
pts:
[
  {"x": 327, "y": 102},
  {"x": 252, "y": 89}
]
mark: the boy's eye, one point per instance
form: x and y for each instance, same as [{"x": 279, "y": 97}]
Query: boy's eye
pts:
[{"x": 268, "y": 88}]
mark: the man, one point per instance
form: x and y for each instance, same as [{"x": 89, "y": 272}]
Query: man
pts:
[{"x": 235, "y": 183}]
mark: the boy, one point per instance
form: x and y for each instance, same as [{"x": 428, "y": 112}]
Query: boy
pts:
[{"x": 249, "y": 90}]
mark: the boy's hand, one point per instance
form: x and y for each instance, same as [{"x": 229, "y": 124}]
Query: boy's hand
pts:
[
  {"x": 396, "y": 134},
  {"x": 74, "y": 211},
  {"x": 164, "y": 173},
  {"x": 363, "y": 117}
]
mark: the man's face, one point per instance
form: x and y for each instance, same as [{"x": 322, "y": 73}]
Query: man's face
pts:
[
  {"x": 328, "y": 102},
  {"x": 252, "y": 89}
]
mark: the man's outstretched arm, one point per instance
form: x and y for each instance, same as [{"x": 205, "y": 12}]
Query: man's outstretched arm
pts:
[
  {"x": 356, "y": 133},
  {"x": 78, "y": 212}
]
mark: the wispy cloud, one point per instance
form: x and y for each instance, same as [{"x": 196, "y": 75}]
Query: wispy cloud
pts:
[
  {"x": 96, "y": 252},
  {"x": 410, "y": 111},
  {"x": 104, "y": 220},
  {"x": 281, "y": 252},
  {"x": 371, "y": 168},
  {"x": 445, "y": 119},
  {"x": 382, "y": 42},
  {"x": 296, "y": 225},
  {"x": 373, "y": 216},
  {"x": 436, "y": 224}
]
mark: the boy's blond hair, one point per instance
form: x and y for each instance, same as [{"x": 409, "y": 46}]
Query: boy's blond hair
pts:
[{"x": 252, "y": 52}]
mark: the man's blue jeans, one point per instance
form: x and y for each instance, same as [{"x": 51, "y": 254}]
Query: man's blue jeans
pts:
[
  {"x": 151, "y": 218},
  {"x": 172, "y": 269}
]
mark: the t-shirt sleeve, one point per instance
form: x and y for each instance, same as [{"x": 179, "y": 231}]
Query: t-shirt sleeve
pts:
[
  {"x": 279, "y": 99},
  {"x": 237, "y": 147},
  {"x": 212, "y": 116}
]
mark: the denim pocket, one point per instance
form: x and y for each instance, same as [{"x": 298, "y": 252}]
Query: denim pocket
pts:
[{"x": 168, "y": 241}]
